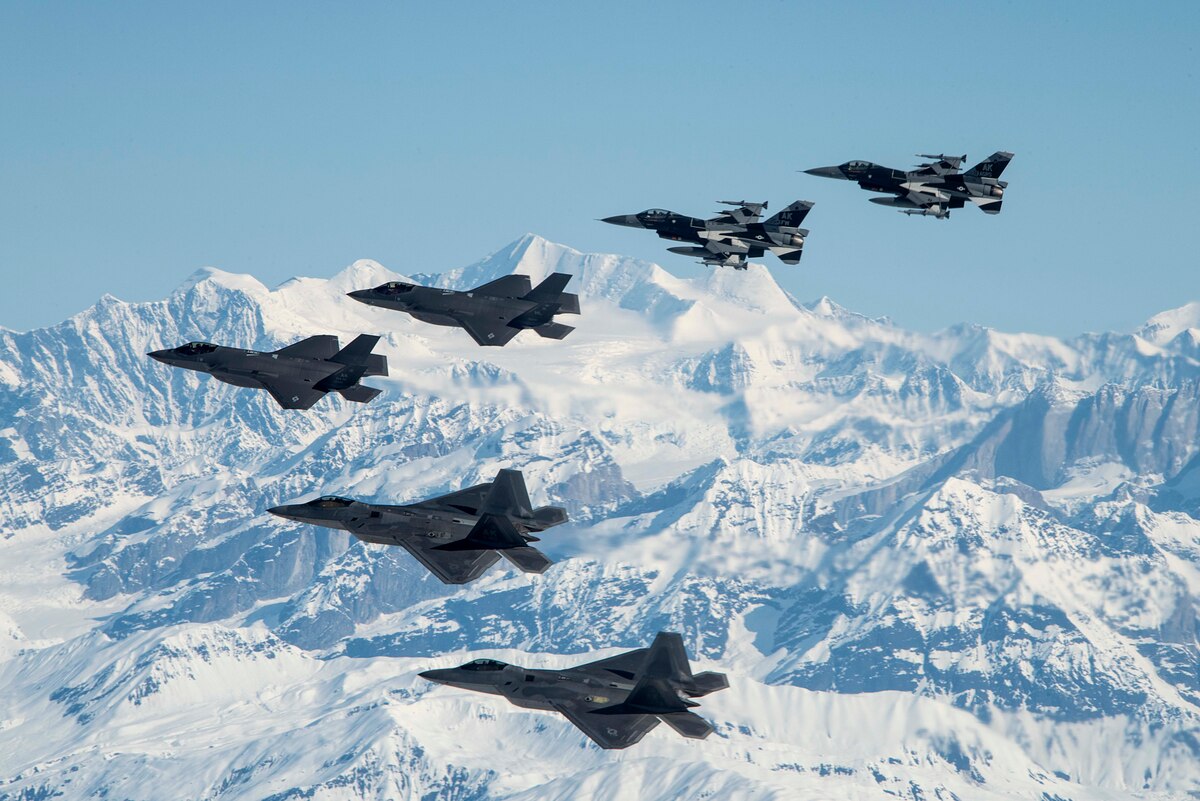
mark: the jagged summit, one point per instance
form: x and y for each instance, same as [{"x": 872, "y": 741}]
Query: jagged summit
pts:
[{"x": 964, "y": 560}]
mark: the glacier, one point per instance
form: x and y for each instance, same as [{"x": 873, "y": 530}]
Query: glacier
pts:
[{"x": 951, "y": 565}]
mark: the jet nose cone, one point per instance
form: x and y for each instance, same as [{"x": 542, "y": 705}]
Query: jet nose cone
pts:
[
  {"x": 286, "y": 511},
  {"x": 826, "y": 172},
  {"x": 160, "y": 355},
  {"x": 360, "y": 294},
  {"x": 629, "y": 220},
  {"x": 436, "y": 676}
]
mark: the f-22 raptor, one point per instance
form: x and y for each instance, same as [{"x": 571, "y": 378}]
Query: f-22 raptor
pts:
[
  {"x": 733, "y": 236},
  {"x": 614, "y": 701},
  {"x": 296, "y": 376},
  {"x": 456, "y": 536},
  {"x": 934, "y": 188},
  {"x": 492, "y": 313}
]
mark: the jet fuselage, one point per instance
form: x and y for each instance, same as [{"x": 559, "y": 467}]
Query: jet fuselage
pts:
[
  {"x": 532, "y": 688},
  {"x": 492, "y": 314},
  {"x": 424, "y": 522},
  {"x": 250, "y": 368},
  {"x": 934, "y": 188},
  {"x": 445, "y": 306},
  {"x": 729, "y": 239}
]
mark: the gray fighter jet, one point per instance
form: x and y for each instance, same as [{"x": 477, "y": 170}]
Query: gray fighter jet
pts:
[
  {"x": 730, "y": 238},
  {"x": 934, "y": 188},
  {"x": 492, "y": 313},
  {"x": 614, "y": 701},
  {"x": 296, "y": 376},
  {"x": 457, "y": 536}
]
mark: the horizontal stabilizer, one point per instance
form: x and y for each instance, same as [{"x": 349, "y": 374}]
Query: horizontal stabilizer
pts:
[
  {"x": 689, "y": 724},
  {"x": 528, "y": 559},
  {"x": 357, "y": 351},
  {"x": 707, "y": 682},
  {"x": 568, "y": 303},
  {"x": 987, "y": 205},
  {"x": 322, "y": 347},
  {"x": 359, "y": 394},
  {"x": 550, "y": 289},
  {"x": 788, "y": 255},
  {"x": 548, "y": 516},
  {"x": 553, "y": 330},
  {"x": 376, "y": 365}
]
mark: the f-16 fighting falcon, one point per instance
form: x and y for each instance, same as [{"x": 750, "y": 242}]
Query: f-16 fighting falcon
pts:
[
  {"x": 934, "y": 188},
  {"x": 492, "y": 313},
  {"x": 296, "y": 376},
  {"x": 456, "y": 536},
  {"x": 733, "y": 236},
  {"x": 614, "y": 701}
]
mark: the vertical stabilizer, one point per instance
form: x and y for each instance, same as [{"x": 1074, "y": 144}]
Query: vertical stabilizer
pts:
[
  {"x": 549, "y": 289},
  {"x": 991, "y": 167},
  {"x": 357, "y": 352},
  {"x": 508, "y": 496}
]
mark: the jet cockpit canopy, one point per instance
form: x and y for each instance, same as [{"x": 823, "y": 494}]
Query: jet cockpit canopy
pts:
[
  {"x": 196, "y": 348},
  {"x": 484, "y": 664},
  {"x": 331, "y": 502}
]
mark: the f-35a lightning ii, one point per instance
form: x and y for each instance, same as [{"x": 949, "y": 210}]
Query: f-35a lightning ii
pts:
[
  {"x": 934, "y": 188},
  {"x": 492, "y": 313},
  {"x": 733, "y": 236},
  {"x": 296, "y": 376},
  {"x": 614, "y": 701},
  {"x": 457, "y": 536}
]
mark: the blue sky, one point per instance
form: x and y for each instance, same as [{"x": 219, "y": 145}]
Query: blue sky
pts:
[{"x": 141, "y": 141}]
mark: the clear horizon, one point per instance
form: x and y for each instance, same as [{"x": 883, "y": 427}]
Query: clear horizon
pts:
[
  {"x": 807, "y": 301},
  {"x": 146, "y": 141}
]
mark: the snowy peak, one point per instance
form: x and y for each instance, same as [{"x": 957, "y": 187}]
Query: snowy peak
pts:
[
  {"x": 1166, "y": 326},
  {"x": 630, "y": 284},
  {"x": 239, "y": 282},
  {"x": 965, "y": 563}
]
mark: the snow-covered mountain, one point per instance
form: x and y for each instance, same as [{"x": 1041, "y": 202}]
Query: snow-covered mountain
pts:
[{"x": 935, "y": 566}]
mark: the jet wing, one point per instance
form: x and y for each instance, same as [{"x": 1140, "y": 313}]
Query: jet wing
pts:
[
  {"x": 725, "y": 244},
  {"x": 745, "y": 213},
  {"x": 464, "y": 500},
  {"x": 323, "y": 346},
  {"x": 452, "y": 567},
  {"x": 924, "y": 196},
  {"x": 489, "y": 331},
  {"x": 607, "y": 731},
  {"x": 292, "y": 394},
  {"x": 625, "y": 665},
  {"x": 510, "y": 286}
]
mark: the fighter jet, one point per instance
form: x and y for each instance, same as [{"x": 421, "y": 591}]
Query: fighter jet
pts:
[
  {"x": 296, "y": 376},
  {"x": 614, "y": 701},
  {"x": 733, "y": 236},
  {"x": 934, "y": 188},
  {"x": 492, "y": 313},
  {"x": 456, "y": 536}
]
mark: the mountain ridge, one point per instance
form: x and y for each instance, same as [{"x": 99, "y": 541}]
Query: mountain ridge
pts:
[{"x": 986, "y": 540}]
